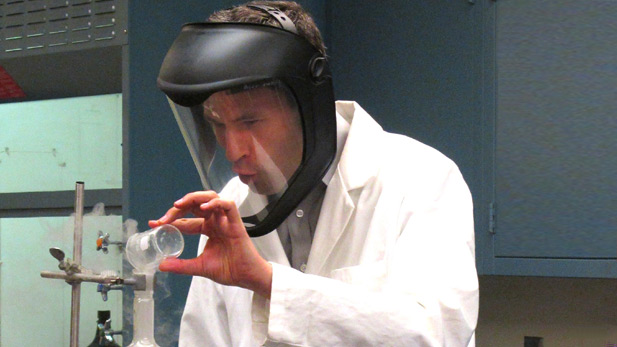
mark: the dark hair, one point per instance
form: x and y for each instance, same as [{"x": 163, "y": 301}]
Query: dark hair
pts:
[{"x": 299, "y": 16}]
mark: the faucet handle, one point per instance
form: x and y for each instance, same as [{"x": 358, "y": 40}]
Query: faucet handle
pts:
[
  {"x": 103, "y": 242},
  {"x": 109, "y": 333},
  {"x": 105, "y": 288}
]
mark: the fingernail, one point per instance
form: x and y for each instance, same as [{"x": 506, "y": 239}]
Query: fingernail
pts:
[{"x": 179, "y": 201}]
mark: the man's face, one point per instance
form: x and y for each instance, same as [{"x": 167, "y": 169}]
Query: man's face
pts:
[{"x": 261, "y": 133}]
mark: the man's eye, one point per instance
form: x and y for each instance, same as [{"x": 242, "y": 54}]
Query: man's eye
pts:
[
  {"x": 215, "y": 124},
  {"x": 250, "y": 122}
]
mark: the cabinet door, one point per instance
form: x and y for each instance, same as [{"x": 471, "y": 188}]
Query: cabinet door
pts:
[{"x": 556, "y": 130}]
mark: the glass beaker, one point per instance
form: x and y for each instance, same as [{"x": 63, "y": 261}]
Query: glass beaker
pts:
[{"x": 147, "y": 249}]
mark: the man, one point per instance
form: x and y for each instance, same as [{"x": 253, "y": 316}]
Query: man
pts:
[{"x": 374, "y": 231}]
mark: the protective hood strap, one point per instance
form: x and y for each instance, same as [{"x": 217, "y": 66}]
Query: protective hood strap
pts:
[{"x": 279, "y": 15}]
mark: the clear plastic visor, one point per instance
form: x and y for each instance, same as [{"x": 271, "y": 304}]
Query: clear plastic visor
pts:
[{"x": 247, "y": 144}]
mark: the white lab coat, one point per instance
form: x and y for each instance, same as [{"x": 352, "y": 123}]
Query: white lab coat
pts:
[{"x": 392, "y": 261}]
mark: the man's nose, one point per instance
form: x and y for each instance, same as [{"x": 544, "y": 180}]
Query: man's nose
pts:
[{"x": 237, "y": 145}]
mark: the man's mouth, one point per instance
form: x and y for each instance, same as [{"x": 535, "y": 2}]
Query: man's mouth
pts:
[
  {"x": 246, "y": 178},
  {"x": 244, "y": 175}
]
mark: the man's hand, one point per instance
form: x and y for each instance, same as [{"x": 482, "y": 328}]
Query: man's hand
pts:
[{"x": 229, "y": 257}]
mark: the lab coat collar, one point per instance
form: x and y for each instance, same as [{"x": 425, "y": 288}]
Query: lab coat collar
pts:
[
  {"x": 357, "y": 164},
  {"x": 354, "y": 169},
  {"x": 342, "y": 129}
]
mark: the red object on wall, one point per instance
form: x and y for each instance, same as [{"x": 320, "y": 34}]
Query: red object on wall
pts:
[{"x": 9, "y": 89}]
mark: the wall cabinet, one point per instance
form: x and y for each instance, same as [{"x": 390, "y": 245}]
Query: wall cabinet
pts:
[{"x": 554, "y": 138}]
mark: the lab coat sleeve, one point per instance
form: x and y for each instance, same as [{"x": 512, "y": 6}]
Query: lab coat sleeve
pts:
[
  {"x": 215, "y": 315},
  {"x": 423, "y": 293},
  {"x": 194, "y": 327}
]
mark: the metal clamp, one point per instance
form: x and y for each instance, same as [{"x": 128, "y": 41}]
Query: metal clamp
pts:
[{"x": 66, "y": 264}]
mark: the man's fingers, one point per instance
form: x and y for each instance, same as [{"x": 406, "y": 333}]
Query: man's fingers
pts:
[
  {"x": 214, "y": 214},
  {"x": 190, "y": 267},
  {"x": 188, "y": 204},
  {"x": 185, "y": 225},
  {"x": 228, "y": 206},
  {"x": 194, "y": 199},
  {"x": 189, "y": 225},
  {"x": 171, "y": 215}
]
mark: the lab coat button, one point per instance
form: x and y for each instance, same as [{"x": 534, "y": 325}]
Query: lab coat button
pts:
[
  {"x": 299, "y": 213},
  {"x": 303, "y": 267}
]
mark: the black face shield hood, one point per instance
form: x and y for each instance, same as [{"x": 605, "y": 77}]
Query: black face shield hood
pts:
[{"x": 210, "y": 57}]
